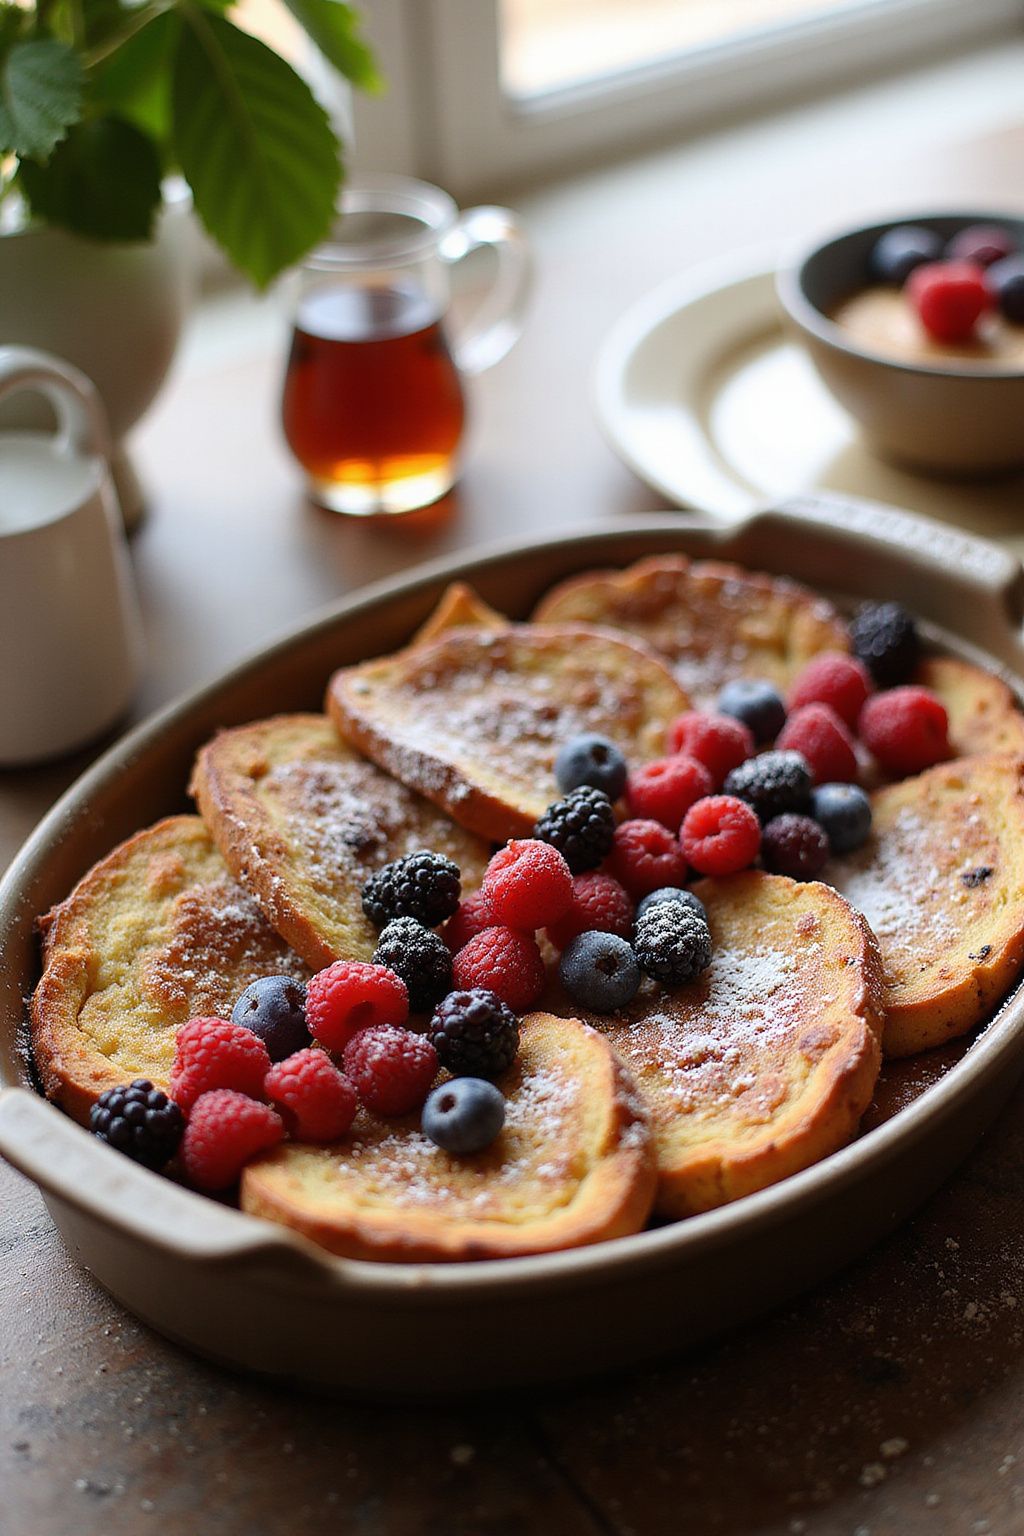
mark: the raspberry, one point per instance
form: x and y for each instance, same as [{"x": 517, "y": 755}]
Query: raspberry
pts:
[
  {"x": 471, "y": 917},
  {"x": 984, "y": 244},
  {"x": 316, "y": 1101},
  {"x": 504, "y": 960},
  {"x": 581, "y": 827},
  {"x": 420, "y": 957},
  {"x": 950, "y": 298},
  {"x": 905, "y": 729},
  {"x": 665, "y": 789},
  {"x": 140, "y": 1121},
  {"x": 720, "y": 742},
  {"x": 391, "y": 1068},
  {"x": 885, "y": 638},
  {"x": 599, "y": 905},
  {"x": 720, "y": 835},
  {"x": 795, "y": 846},
  {"x": 818, "y": 734},
  {"x": 475, "y": 1033},
  {"x": 672, "y": 944},
  {"x": 528, "y": 884},
  {"x": 835, "y": 679},
  {"x": 645, "y": 855},
  {"x": 214, "y": 1053},
  {"x": 423, "y": 885},
  {"x": 349, "y": 996},
  {"x": 225, "y": 1131},
  {"x": 772, "y": 783}
]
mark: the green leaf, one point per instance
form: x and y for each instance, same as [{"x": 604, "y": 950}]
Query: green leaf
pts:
[
  {"x": 334, "y": 28},
  {"x": 103, "y": 181},
  {"x": 135, "y": 81},
  {"x": 40, "y": 96},
  {"x": 254, "y": 145}
]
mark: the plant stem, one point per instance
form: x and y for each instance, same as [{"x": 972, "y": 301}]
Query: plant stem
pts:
[{"x": 140, "y": 18}]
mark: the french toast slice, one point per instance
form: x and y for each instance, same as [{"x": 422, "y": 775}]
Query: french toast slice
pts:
[
  {"x": 156, "y": 933},
  {"x": 941, "y": 882},
  {"x": 766, "y": 1063},
  {"x": 573, "y": 1165},
  {"x": 302, "y": 821},
  {"x": 474, "y": 718},
  {"x": 983, "y": 714},
  {"x": 711, "y": 622}
]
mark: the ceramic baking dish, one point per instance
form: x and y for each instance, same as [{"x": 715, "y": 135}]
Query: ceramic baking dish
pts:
[{"x": 255, "y": 1295}]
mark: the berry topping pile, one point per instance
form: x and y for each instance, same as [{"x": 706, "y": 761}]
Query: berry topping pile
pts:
[
  {"x": 432, "y": 1024},
  {"x": 952, "y": 286}
]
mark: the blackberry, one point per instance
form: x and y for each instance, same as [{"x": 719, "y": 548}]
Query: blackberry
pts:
[
  {"x": 673, "y": 944},
  {"x": 884, "y": 637},
  {"x": 795, "y": 846},
  {"x": 591, "y": 759},
  {"x": 672, "y": 893},
  {"x": 140, "y": 1121},
  {"x": 581, "y": 827},
  {"x": 474, "y": 1033},
  {"x": 600, "y": 971},
  {"x": 464, "y": 1116},
  {"x": 274, "y": 1008},
  {"x": 773, "y": 783},
  {"x": 756, "y": 704},
  {"x": 420, "y": 957},
  {"x": 423, "y": 885}
]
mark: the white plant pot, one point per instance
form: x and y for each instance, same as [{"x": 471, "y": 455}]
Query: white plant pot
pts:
[{"x": 115, "y": 311}]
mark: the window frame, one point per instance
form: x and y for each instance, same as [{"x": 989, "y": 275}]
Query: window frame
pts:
[{"x": 446, "y": 116}]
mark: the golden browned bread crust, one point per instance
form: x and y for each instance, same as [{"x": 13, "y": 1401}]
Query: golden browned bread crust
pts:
[
  {"x": 710, "y": 621},
  {"x": 573, "y": 1165},
  {"x": 302, "y": 821},
  {"x": 155, "y": 934},
  {"x": 460, "y": 608},
  {"x": 941, "y": 882},
  {"x": 474, "y": 719},
  {"x": 983, "y": 713},
  {"x": 766, "y": 1063}
]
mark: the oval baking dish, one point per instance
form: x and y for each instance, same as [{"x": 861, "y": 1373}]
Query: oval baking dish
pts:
[{"x": 247, "y": 1292}]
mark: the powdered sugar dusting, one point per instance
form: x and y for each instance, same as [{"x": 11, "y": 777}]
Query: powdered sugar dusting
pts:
[{"x": 534, "y": 1162}]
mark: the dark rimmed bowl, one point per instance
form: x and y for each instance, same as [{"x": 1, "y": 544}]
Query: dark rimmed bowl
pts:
[
  {"x": 259, "y": 1296},
  {"x": 959, "y": 419}
]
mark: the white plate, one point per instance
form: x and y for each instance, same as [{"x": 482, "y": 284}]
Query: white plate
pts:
[{"x": 705, "y": 397}]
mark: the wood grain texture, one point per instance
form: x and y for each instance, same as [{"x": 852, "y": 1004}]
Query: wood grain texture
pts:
[{"x": 888, "y": 1402}]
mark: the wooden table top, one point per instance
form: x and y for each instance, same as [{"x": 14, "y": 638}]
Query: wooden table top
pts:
[{"x": 889, "y": 1401}]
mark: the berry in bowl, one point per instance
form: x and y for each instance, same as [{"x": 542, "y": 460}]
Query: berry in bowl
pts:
[{"x": 917, "y": 328}]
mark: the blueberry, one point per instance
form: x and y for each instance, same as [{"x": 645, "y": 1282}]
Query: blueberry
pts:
[
  {"x": 465, "y": 1115},
  {"x": 274, "y": 1008},
  {"x": 1007, "y": 279},
  {"x": 896, "y": 253},
  {"x": 592, "y": 760},
  {"x": 600, "y": 971},
  {"x": 671, "y": 893},
  {"x": 757, "y": 704},
  {"x": 843, "y": 811}
]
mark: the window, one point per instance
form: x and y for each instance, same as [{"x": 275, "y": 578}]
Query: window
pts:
[{"x": 485, "y": 93}]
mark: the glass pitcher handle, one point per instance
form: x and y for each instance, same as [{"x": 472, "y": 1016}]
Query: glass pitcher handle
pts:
[{"x": 498, "y": 321}]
